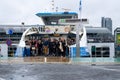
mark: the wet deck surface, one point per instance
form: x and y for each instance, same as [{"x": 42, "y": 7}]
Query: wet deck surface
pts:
[{"x": 49, "y": 71}]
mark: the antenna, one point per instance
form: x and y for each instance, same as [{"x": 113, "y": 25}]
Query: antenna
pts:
[
  {"x": 53, "y": 5},
  {"x": 56, "y": 9}
]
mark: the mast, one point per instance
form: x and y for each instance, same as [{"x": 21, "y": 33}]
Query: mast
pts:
[{"x": 78, "y": 31}]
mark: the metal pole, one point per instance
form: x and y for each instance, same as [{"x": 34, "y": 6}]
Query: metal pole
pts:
[
  {"x": 78, "y": 33},
  {"x": 77, "y": 42}
]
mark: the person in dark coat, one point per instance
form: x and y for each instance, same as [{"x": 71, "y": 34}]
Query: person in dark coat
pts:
[
  {"x": 64, "y": 48},
  {"x": 52, "y": 47},
  {"x": 57, "y": 49},
  {"x": 33, "y": 47},
  {"x": 40, "y": 48}
]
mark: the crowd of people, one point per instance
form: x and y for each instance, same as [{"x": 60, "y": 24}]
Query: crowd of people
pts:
[{"x": 47, "y": 47}]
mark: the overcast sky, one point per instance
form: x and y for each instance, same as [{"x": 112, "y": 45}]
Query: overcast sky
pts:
[{"x": 17, "y": 11}]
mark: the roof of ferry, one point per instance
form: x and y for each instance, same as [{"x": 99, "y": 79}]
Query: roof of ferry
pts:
[
  {"x": 17, "y": 28},
  {"x": 97, "y": 30},
  {"x": 44, "y": 14}
]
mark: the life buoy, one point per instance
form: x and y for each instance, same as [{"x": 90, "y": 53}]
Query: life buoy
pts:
[
  {"x": 47, "y": 29},
  {"x": 66, "y": 29}
]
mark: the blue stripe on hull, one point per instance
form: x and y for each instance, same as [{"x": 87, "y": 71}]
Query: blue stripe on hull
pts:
[{"x": 83, "y": 52}]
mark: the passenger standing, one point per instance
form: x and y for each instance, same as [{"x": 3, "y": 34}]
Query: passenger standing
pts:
[
  {"x": 52, "y": 47},
  {"x": 46, "y": 47},
  {"x": 57, "y": 50},
  {"x": 27, "y": 49},
  {"x": 61, "y": 47},
  {"x": 36, "y": 48},
  {"x": 64, "y": 47},
  {"x": 33, "y": 47},
  {"x": 30, "y": 47},
  {"x": 40, "y": 45},
  {"x": 67, "y": 51}
]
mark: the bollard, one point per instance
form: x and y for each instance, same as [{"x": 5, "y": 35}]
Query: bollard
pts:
[{"x": 45, "y": 59}]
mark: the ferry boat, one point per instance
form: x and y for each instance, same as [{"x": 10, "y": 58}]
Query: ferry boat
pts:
[{"x": 13, "y": 37}]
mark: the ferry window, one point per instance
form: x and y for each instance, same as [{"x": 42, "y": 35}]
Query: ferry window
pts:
[
  {"x": 105, "y": 48},
  {"x": 98, "y": 49},
  {"x": 53, "y": 22}
]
